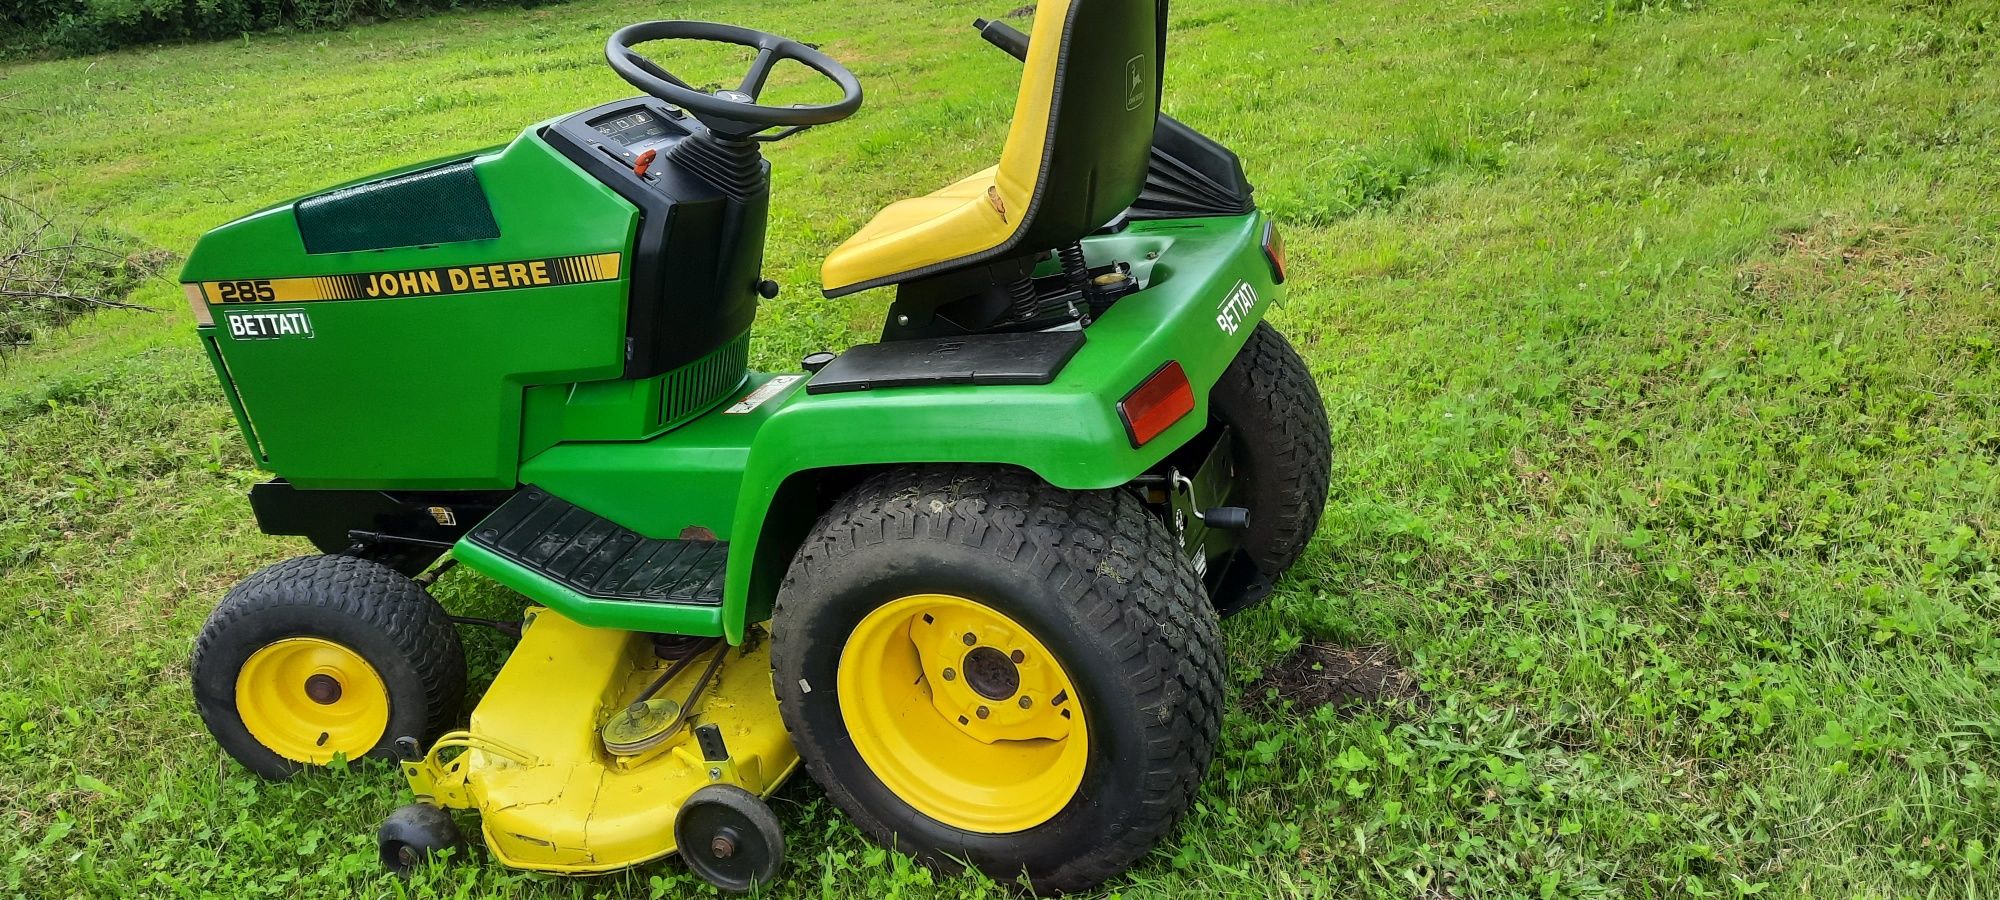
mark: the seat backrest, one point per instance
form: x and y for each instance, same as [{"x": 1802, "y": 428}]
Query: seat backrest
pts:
[{"x": 1083, "y": 122}]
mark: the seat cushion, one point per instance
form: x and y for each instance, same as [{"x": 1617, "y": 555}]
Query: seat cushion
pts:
[{"x": 956, "y": 221}]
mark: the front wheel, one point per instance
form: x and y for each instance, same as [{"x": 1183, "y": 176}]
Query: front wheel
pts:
[
  {"x": 322, "y": 657},
  {"x": 977, "y": 666}
]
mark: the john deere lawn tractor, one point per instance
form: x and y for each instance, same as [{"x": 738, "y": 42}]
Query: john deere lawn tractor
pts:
[{"x": 969, "y": 574}]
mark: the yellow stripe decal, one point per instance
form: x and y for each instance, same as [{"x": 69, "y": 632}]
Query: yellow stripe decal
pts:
[{"x": 436, "y": 281}]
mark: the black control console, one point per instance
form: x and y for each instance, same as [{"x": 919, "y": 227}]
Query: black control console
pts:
[
  {"x": 696, "y": 261},
  {"x": 622, "y": 132}
]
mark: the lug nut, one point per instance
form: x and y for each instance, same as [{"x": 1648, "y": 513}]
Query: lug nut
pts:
[
  {"x": 950, "y": 675},
  {"x": 1018, "y": 657},
  {"x": 970, "y": 640},
  {"x": 1025, "y": 702},
  {"x": 983, "y": 712}
]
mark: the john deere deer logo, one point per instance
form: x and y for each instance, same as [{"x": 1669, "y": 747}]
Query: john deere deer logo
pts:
[{"x": 1135, "y": 82}]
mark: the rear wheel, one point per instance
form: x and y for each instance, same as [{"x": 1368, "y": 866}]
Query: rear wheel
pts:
[
  {"x": 1283, "y": 451},
  {"x": 322, "y": 657},
  {"x": 980, "y": 667}
]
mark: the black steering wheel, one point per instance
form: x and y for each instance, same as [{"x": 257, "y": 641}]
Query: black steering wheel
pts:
[{"x": 734, "y": 113}]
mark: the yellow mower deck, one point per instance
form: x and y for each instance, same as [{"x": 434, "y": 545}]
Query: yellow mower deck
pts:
[{"x": 532, "y": 764}]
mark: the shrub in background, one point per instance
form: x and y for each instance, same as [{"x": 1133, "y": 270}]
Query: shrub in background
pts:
[{"x": 86, "y": 26}]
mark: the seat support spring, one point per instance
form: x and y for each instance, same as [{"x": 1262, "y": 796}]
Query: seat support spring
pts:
[
  {"x": 1024, "y": 302},
  {"x": 1076, "y": 270}
]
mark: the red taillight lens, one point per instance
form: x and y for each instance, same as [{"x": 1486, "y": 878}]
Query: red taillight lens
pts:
[
  {"x": 1274, "y": 250},
  {"x": 1156, "y": 404}
]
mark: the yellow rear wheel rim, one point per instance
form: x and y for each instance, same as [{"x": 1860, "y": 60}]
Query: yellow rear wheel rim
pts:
[
  {"x": 308, "y": 699},
  {"x": 963, "y": 713}
]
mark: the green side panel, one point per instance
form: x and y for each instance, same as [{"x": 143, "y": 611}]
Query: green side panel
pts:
[
  {"x": 425, "y": 391},
  {"x": 724, "y": 470},
  {"x": 625, "y": 410},
  {"x": 656, "y": 617},
  {"x": 687, "y": 477},
  {"x": 438, "y": 205}
]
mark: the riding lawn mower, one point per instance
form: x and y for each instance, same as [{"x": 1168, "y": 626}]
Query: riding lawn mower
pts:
[{"x": 970, "y": 575}]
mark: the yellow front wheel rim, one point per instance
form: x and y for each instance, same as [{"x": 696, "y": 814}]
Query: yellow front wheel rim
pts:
[
  {"x": 963, "y": 713},
  {"x": 308, "y": 699}
]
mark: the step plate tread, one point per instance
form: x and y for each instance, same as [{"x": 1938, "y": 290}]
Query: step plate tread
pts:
[{"x": 596, "y": 557}]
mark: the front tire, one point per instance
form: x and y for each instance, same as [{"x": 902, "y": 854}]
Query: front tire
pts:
[
  {"x": 325, "y": 656},
  {"x": 977, "y": 666}
]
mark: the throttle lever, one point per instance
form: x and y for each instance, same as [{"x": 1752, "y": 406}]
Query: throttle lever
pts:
[{"x": 1004, "y": 36}]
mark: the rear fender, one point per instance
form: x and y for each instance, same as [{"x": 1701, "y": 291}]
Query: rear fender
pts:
[{"x": 1207, "y": 284}]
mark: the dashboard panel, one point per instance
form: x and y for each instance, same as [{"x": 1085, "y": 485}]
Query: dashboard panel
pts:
[{"x": 698, "y": 251}]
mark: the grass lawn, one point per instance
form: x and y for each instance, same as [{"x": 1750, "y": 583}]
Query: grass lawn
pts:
[{"x": 1659, "y": 342}]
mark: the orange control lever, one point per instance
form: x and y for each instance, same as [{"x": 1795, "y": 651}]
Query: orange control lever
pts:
[{"x": 644, "y": 162}]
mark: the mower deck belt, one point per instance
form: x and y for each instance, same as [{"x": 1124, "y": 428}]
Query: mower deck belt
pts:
[
  {"x": 596, "y": 558},
  {"x": 1027, "y": 358}
]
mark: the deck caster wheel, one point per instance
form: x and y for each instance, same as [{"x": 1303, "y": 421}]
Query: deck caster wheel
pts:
[
  {"x": 416, "y": 835},
  {"x": 730, "y": 838}
]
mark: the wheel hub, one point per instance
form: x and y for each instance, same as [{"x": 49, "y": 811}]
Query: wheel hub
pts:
[
  {"x": 991, "y": 674},
  {"x": 963, "y": 712},
  {"x": 990, "y": 677},
  {"x": 310, "y": 699},
  {"x": 323, "y": 689}
]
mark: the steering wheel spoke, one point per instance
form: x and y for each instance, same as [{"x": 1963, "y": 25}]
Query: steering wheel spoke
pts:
[
  {"x": 760, "y": 69},
  {"x": 652, "y": 68}
]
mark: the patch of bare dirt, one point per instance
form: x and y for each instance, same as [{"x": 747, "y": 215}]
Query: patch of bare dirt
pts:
[{"x": 1353, "y": 680}]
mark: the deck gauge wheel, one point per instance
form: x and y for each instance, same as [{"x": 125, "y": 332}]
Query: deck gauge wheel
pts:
[
  {"x": 416, "y": 835},
  {"x": 730, "y": 838}
]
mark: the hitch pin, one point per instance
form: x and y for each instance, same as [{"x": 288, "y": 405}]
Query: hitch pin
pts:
[
  {"x": 1234, "y": 518},
  {"x": 1182, "y": 482}
]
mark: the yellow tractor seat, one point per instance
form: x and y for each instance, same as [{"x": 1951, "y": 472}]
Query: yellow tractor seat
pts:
[
  {"x": 957, "y": 220},
  {"x": 1075, "y": 155}
]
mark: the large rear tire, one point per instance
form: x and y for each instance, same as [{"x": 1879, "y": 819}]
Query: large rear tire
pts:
[
  {"x": 977, "y": 666},
  {"x": 325, "y": 656},
  {"x": 1284, "y": 450}
]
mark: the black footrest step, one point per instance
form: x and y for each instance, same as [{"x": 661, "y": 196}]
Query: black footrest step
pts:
[{"x": 592, "y": 556}]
